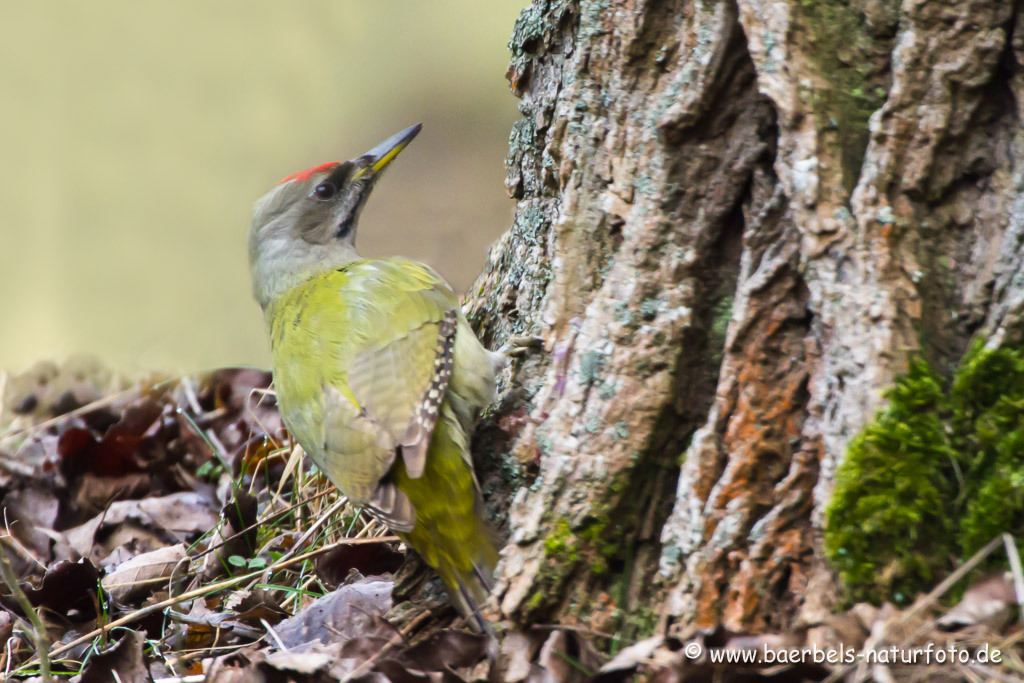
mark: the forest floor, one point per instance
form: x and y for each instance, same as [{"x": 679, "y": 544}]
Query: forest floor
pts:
[{"x": 168, "y": 530}]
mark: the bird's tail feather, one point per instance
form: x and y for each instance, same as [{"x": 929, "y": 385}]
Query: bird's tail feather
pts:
[
  {"x": 469, "y": 606},
  {"x": 471, "y": 588},
  {"x": 467, "y": 571},
  {"x": 451, "y": 532}
]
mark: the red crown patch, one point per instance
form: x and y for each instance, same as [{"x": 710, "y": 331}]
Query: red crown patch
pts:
[{"x": 309, "y": 172}]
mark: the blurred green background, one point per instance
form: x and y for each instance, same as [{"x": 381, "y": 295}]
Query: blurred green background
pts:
[{"x": 136, "y": 135}]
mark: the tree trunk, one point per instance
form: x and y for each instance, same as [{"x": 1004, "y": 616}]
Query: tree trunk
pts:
[{"x": 735, "y": 223}]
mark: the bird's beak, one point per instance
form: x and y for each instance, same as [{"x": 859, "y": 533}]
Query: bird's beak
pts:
[{"x": 378, "y": 158}]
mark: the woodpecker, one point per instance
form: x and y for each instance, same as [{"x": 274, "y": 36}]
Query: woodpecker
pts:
[{"x": 379, "y": 376}]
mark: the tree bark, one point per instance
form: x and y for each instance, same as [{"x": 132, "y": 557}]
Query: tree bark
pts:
[{"x": 735, "y": 223}]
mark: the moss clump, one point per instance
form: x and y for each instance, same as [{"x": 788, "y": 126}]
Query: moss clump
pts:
[
  {"x": 936, "y": 475},
  {"x": 887, "y": 520},
  {"x": 561, "y": 544},
  {"x": 988, "y": 406}
]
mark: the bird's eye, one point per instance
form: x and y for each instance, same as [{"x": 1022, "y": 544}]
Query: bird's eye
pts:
[{"x": 325, "y": 191}]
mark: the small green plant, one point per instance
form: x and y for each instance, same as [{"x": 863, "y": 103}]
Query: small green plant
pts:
[
  {"x": 210, "y": 470},
  {"x": 936, "y": 475},
  {"x": 250, "y": 564}
]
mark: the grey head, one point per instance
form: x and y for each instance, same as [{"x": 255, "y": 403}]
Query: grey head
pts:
[{"x": 306, "y": 224}]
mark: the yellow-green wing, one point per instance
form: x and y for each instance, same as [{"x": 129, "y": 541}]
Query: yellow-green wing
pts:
[{"x": 384, "y": 330}]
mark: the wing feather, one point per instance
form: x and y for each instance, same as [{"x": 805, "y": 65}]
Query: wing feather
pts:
[{"x": 400, "y": 332}]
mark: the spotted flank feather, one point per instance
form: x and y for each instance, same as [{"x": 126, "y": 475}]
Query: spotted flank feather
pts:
[
  {"x": 392, "y": 507},
  {"x": 421, "y": 427}
]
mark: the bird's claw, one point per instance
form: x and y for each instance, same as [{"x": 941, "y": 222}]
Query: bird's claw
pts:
[{"x": 515, "y": 347}]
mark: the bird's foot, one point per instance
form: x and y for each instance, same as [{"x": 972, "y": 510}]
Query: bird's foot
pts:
[{"x": 515, "y": 347}]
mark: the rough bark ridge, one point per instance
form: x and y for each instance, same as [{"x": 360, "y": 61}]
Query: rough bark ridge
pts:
[{"x": 735, "y": 222}]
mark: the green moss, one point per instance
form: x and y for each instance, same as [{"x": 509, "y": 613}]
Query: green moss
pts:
[
  {"x": 843, "y": 49},
  {"x": 640, "y": 623},
  {"x": 593, "y": 534},
  {"x": 535, "y": 601},
  {"x": 564, "y": 547},
  {"x": 936, "y": 475},
  {"x": 529, "y": 27},
  {"x": 643, "y": 184},
  {"x": 988, "y": 405},
  {"x": 566, "y": 544},
  {"x": 887, "y": 517},
  {"x": 561, "y": 543},
  {"x": 721, "y": 314}
]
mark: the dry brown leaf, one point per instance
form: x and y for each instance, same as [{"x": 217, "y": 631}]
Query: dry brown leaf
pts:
[
  {"x": 554, "y": 658},
  {"x": 991, "y": 602},
  {"x": 26, "y": 512},
  {"x": 37, "y": 456},
  {"x": 352, "y": 610},
  {"x": 166, "y": 517},
  {"x": 68, "y": 588},
  {"x": 92, "y": 493},
  {"x": 373, "y": 559},
  {"x": 516, "y": 655},
  {"x": 314, "y": 664},
  {"x": 448, "y": 649},
  {"x": 123, "y": 663},
  {"x": 115, "y": 453},
  {"x": 135, "y": 578},
  {"x": 307, "y": 663},
  {"x": 630, "y": 658}
]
